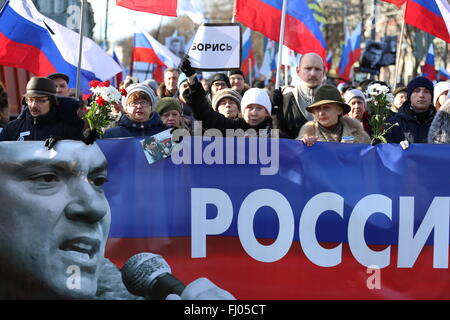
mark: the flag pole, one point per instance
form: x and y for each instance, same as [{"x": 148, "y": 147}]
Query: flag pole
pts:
[
  {"x": 80, "y": 47},
  {"x": 280, "y": 44},
  {"x": 132, "y": 51},
  {"x": 400, "y": 42}
]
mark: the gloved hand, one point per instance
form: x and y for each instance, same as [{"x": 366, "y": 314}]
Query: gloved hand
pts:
[
  {"x": 185, "y": 66},
  {"x": 50, "y": 142},
  {"x": 90, "y": 135}
]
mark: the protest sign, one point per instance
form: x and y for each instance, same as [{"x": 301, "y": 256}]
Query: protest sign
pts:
[{"x": 216, "y": 47}]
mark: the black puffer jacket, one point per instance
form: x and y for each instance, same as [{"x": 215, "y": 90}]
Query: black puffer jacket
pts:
[
  {"x": 61, "y": 121},
  {"x": 195, "y": 96},
  {"x": 412, "y": 126}
]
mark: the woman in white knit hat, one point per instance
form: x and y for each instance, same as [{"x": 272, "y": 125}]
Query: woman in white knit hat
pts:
[
  {"x": 139, "y": 119},
  {"x": 255, "y": 108}
]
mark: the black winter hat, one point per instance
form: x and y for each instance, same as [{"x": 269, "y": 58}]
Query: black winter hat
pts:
[
  {"x": 419, "y": 82},
  {"x": 238, "y": 71},
  {"x": 220, "y": 77},
  {"x": 40, "y": 86}
]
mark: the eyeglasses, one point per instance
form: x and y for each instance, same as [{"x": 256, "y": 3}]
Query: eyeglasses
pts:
[
  {"x": 36, "y": 100},
  {"x": 143, "y": 103}
]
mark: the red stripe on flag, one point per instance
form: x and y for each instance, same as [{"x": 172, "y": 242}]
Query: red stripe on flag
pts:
[
  {"x": 245, "y": 67},
  {"x": 297, "y": 36},
  {"x": 421, "y": 18},
  {"x": 164, "y": 8},
  {"x": 354, "y": 56},
  {"x": 146, "y": 55},
  {"x": 398, "y": 3},
  {"x": 24, "y": 56},
  {"x": 292, "y": 277}
]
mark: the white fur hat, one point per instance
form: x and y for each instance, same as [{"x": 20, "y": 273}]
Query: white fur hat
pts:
[
  {"x": 256, "y": 96},
  {"x": 439, "y": 88}
]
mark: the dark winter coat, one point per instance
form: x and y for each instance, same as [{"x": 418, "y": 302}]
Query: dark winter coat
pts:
[
  {"x": 61, "y": 121},
  {"x": 287, "y": 113},
  {"x": 411, "y": 126},
  {"x": 195, "y": 96},
  {"x": 129, "y": 128}
]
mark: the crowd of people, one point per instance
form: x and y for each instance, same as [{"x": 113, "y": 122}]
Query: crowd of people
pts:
[{"x": 313, "y": 110}]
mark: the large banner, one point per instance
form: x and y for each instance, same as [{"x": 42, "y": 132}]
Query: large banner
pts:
[{"x": 274, "y": 219}]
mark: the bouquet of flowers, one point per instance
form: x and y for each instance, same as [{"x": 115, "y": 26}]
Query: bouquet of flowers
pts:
[
  {"x": 378, "y": 102},
  {"x": 98, "y": 113}
]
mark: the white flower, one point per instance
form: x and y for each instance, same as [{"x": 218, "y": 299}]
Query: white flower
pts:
[
  {"x": 377, "y": 89},
  {"x": 109, "y": 94}
]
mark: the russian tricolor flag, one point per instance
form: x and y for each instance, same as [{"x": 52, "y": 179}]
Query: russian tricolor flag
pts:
[
  {"x": 148, "y": 49},
  {"x": 302, "y": 33},
  {"x": 444, "y": 75},
  {"x": 31, "y": 41},
  {"x": 428, "y": 69},
  {"x": 351, "y": 52},
  {"x": 432, "y": 16},
  {"x": 248, "y": 59}
]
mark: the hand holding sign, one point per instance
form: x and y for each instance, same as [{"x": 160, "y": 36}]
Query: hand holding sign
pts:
[
  {"x": 216, "y": 47},
  {"x": 185, "y": 66}
]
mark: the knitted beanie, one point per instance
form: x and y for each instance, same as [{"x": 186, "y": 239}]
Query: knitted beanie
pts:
[
  {"x": 256, "y": 96},
  {"x": 419, "y": 82},
  {"x": 168, "y": 104},
  {"x": 226, "y": 93},
  {"x": 141, "y": 87}
]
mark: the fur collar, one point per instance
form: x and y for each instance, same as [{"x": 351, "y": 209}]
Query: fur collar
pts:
[{"x": 353, "y": 131}]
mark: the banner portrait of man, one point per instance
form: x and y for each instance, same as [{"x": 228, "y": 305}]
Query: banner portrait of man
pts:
[
  {"x": 371, "y": 57},
  {"x": 389, "y": 53},
  {"x": 176, "y": 44}
]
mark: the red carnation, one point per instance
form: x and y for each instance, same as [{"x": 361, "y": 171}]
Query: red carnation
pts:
[
  {"x": 104, "y": 84},
  {"x": 94, "y": 83},
  {"x": 123, "y": 92},
  {"x": 100, "y": 101}
]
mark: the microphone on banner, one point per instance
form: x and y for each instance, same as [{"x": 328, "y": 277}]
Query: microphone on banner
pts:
[{"x": 149, "y": 275}]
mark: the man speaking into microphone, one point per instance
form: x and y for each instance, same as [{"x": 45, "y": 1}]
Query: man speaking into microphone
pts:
[{"x": 55, "y": 221}]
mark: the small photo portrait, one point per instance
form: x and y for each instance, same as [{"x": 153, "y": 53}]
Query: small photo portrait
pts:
[{"x": 159, "y": 146}]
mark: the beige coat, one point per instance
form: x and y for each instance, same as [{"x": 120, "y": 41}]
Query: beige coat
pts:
[{"x": 353, "y": 131}]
